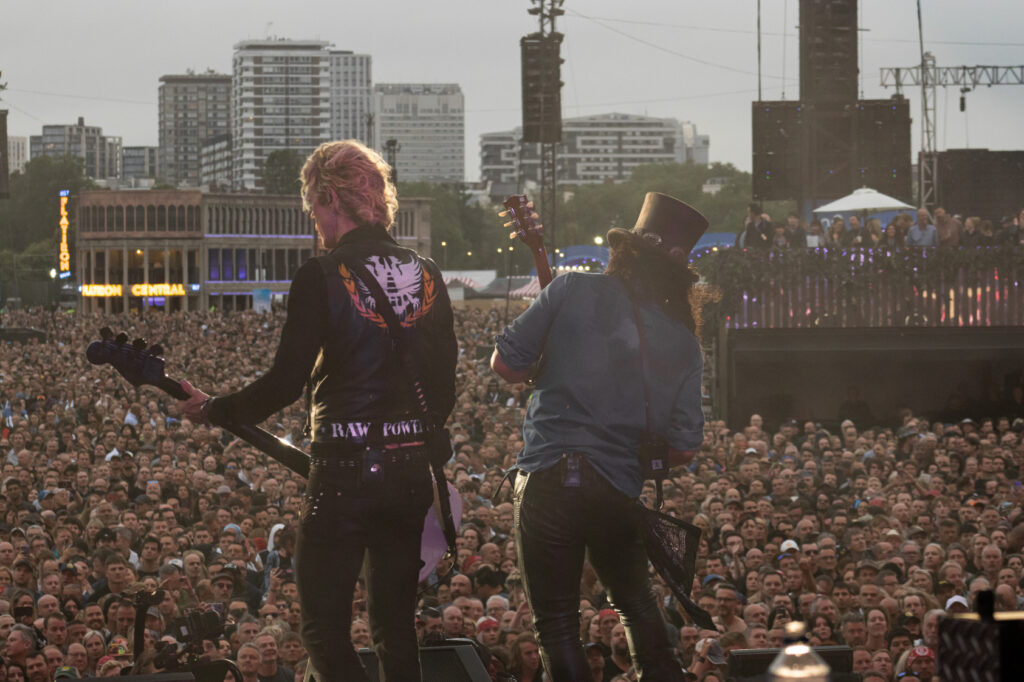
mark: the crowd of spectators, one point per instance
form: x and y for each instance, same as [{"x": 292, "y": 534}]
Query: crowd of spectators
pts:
[
  {"x": 870, "y": 534},
  {"x": 905, "y": 230}
]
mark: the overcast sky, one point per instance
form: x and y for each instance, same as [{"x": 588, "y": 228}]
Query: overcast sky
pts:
[{"x": 694, "y": 61}]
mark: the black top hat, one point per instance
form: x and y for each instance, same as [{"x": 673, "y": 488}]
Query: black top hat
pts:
[{"x": 670, "y": 223}]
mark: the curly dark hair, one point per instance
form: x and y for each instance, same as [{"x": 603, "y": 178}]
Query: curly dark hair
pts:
[{"x": 650, "y": 273}]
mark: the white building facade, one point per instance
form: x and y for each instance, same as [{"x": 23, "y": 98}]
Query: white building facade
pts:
[
  {"x": 280, "y": 100},
  {"x": 17, "y": 153},
  {"x": 351, "y": 96},
  {"x": 594, "y": 149}
]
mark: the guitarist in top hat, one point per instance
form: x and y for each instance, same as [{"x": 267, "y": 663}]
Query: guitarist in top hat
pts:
[
  {"x": 605, "y": 393},
  {"x": 370, "y": 334}
]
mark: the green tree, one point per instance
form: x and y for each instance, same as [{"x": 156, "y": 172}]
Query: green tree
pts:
[
  {"x": 592, "y": 209},
  {"x": 281, "y": 172},
  {"x": 32, "y": 214},
  {"x": 465, "y": 227}
]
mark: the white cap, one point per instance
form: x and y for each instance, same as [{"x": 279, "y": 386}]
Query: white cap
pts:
[
  {"x": 957, "y": 599},
  {"x": 789, "y": 546}
]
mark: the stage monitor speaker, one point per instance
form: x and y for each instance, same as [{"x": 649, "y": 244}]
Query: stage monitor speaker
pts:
[
  {"x": 883, "y": 146},
  {"x": 751, "y": 663},
  {"x": 5, "y": 165},
  {"x": 542, "y": 87},
  {"x": 448, "y": 662},
  {"x": 982, "y": 183},
  {"x": 828, "y": 51},
  {"x": 777, "y": 131}
]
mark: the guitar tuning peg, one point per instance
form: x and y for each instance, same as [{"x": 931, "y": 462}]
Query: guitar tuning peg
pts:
[
  {"x": 502, "y": 214},
  {"x": 121, "y": 338},
  {"x": 139, "y": 344},
  {"x": 508, "y": 224},
  {"x": 512, "y": 235},
  {"x": 157, "y": 350},
  {"x": 106, "y": 334}
]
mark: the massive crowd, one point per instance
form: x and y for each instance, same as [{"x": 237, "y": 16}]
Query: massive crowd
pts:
[
  {"x": 921, "y": 229},
  {"x": 871, "y": 534}
]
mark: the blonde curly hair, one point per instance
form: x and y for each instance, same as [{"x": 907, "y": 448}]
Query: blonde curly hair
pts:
[{"x": 358, "y": 175}]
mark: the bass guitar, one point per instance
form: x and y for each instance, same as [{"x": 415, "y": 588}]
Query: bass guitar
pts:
[{"x": 143, "y": 365}]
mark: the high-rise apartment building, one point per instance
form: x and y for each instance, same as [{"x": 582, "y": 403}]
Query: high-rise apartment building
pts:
[
  {"x": 139, "y": 162},
  {"x": 17, "y": 153},
  {"x": 428, "y": 123},
  {"x": 280, "y": 100},
  {"x": 101, "y": 154},
  {"x": 193, "y": 108},
  {"x": 351, "y": 96},
  {"x": 216, "y": 162},
  {"x": 594, "y": 149}
]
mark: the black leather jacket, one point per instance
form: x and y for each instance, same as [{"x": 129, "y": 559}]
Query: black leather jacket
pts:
[{"x": 334, "y": 339}]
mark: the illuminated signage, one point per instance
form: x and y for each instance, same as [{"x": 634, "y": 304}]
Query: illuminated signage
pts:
[
  {"x": 108, "y": 290},
  {"x": 158, "y": 290},
  {"x": 65, "y": 255},
  {"x": 101, "y": 290}
]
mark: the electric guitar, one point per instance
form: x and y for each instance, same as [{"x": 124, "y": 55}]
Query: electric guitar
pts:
[
  {"x": 143, "y": 365},
  {"x": 519, "y": 210}
]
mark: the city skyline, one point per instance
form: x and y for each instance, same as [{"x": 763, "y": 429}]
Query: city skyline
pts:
[{"x": 650, "y": 61}]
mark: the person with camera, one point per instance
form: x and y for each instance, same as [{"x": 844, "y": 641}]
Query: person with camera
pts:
[
  {"x": 370, "y": 335},
  {"x": 607, "y": 389}
]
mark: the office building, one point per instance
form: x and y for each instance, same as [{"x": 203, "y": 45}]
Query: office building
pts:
[
  {"x": 427, "y": 121},
  {"x": 17, "y": 153},
  {"x": 280, "y": 100},
  {"x": 215, "y": 163},
  {"x": 594, "y": 149},
  {"x": 100, "y": 154},
  {"x": 139, "y": 162},
  {"x": 351, "y": 96},
  {"x": 193, "y": 108}
]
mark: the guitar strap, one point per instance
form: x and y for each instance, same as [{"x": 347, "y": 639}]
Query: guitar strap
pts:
[
  {"x": 652, "y": 462},
  {"x": 437, "y": 436}
]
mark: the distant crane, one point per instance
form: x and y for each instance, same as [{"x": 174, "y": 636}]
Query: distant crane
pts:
[{"x": 929, "y": 76}]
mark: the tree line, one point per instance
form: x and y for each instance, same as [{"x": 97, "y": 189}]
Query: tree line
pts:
[{"x": 466, "y": 231}]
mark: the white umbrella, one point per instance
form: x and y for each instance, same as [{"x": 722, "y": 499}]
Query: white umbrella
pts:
[{"x": 863, "y": 200}]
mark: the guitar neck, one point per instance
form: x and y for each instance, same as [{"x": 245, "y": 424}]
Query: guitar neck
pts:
[
  {"x": 540, "y": 261},
  {"x": 288, "y": 455}
]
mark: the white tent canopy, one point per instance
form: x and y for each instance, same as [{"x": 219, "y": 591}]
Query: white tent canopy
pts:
[{"x": 863, "y": 200}]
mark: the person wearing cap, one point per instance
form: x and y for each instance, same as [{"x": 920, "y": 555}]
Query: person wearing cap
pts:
[
  {"x": 372, "y": 413},
  {"x": 707, "y": 656},
  {"x": 604, "y": 382},
  {"x": 487, "y": 631},
  {"x": 921, "y": 662},
  {"x": 67, "y": 672}
]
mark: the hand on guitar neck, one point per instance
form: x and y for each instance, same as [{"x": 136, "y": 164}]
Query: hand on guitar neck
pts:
[{"x": 519, "y": 211}]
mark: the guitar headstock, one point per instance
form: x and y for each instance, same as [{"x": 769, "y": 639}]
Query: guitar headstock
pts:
[
  {"x": 139, "y": 363},
  {"x": 519, "y": 211}
]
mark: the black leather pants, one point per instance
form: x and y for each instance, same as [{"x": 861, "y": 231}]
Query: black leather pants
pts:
[
  {"x": 556, "y": 524},
  {"x": 345, "y": 519}
]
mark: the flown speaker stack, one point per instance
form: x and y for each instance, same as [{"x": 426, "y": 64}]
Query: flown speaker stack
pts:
[{"x": 830, "y": 143}]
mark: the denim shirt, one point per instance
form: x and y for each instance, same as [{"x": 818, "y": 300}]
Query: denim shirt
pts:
[{"x": 589, "y": 396}]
